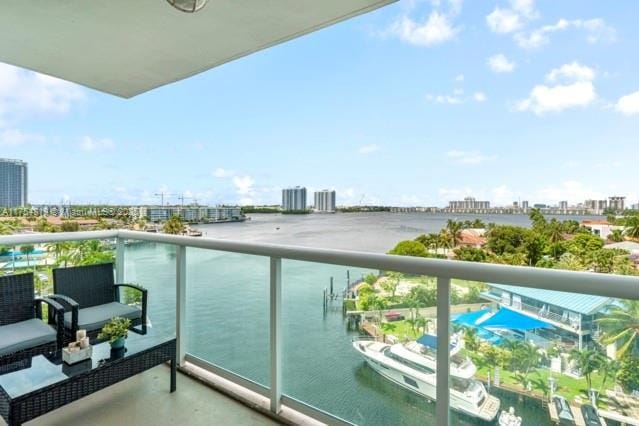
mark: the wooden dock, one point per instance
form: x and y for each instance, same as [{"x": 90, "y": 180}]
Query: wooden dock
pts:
[{"x": 576, "y": 413}]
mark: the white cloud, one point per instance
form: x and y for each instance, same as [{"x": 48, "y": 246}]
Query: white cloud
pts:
[
  {"x": 445, "y": 99},
  {"x": 504, "y": 21},
  {"x": 628, "y": 104},
  {"x": 244, "y": 188},
  {"x": 368, "y": 149},
  {"x": 26, "y": 93},
  {"x": 468, "y": 157},
  {"x": 596, "y": 31},
  {"x": 613, "y": 164},
  {"x": 479, "y": 96},
  {"x": 514, "y": 18},
  {"x": 438, "y": 27},
  {"x": 455, "y": 98},
  {"x": 573, "y": 191},
  {"x": 92, "y": 144},
  {"x": 222, "y": 173},
  {"x": 575, "y": 90},
  {"x": 15, "y": 137},
  {"x": 502, "y": 195},
  {"x": 571, "y": 72},
  {"x": 435, "y": 30},
  {"x": 459, "y": 77},
  {"x": 500, "y": 64}
]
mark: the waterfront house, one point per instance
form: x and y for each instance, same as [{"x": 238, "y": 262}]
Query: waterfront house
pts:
[
  {"x": 475, "y": 238},
  {"x": 600, "y": 228},
  {"x": 572, "y": 316}
]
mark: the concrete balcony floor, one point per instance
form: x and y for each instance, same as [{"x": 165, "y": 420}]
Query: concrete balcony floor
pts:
[{"x": 145, "y": 400}]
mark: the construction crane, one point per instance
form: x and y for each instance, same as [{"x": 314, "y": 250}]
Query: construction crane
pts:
[
  {"x": 161, "y": 195},
  {"x": 182, "y": 198}
]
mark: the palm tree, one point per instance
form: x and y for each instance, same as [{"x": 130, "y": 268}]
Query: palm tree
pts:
[
  {"x": 529, "y": 357},
  {"x": 413, "y": 323},
  {"x": 471, "y": 341},
  {"x": 616, "y": 236},
  {"x": 555, "y": 236},
  {"x": 621, "y": 326},
  {"x": 454, "y": 231},
  {"x": 632, "y": 227},
  {"x": 587, "y": 361},
  {"x": 608, "y": 369},
  {"x": 421, "y": 322},
  {"x": 6, "y": 228},
  {"x": 27, "y": 249},
  {"x": 174, "y": 226}
]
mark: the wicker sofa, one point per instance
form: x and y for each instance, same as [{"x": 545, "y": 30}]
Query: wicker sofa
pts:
[
  {"x": 92, "y": 298},
  {"x": 23, "y": 333}
]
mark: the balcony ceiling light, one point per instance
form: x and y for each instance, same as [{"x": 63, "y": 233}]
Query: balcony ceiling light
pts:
[{"x": 189, "y": 6}]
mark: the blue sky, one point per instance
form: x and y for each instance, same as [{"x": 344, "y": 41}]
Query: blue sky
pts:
[{"x": 415, "y": 104}]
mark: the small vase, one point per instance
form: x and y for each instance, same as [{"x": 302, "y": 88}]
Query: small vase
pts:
[{"x": 118, "y": 343}]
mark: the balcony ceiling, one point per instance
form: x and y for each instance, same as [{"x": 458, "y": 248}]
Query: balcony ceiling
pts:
[{"x": 126, "y": 47}]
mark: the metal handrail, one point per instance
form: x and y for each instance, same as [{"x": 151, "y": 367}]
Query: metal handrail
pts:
[{"x": 624, "y": 287}]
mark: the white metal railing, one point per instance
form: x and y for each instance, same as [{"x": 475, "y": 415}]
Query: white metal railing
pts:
[{"x": 623, "y": 287}]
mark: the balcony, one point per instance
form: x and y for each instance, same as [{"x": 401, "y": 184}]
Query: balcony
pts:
[{"x": 250, "y": 322}]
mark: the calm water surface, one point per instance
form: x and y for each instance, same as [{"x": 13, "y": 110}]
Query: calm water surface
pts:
[{"x": 227, "y": 311}]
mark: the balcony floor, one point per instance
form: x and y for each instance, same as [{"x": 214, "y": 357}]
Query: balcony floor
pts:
[{"x": 145, "y": 400}]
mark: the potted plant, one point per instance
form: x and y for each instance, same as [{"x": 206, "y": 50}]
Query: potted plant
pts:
[{"x": 115, "y": 331}]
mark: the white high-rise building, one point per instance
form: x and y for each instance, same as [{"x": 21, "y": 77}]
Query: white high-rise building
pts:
[
  {"x": 325, "y": 201},
  {"x": 617, "y": 203},
  {"x": 294, "y": 199},
  {"x": 13, "y": 183}
]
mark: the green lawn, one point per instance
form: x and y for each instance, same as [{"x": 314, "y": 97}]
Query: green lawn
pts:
[
  {"x": 564, "y": 385},
  {"x": 400, "y": 329}
]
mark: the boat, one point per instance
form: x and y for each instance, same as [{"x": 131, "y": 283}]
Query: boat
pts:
[
  {"x": 426, "y": 350},
  {"x": 412, "y": 370},
  {"x": 509, "y": 418}
]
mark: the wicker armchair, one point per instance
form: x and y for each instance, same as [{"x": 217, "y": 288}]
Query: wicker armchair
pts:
[
  {"x": 22, "y": 332},
  {"x": 92, "y": 298}
]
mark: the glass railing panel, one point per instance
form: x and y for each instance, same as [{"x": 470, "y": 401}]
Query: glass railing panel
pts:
[
  {"x": 227, "y": 311},
  {"x": 322, "y": 365},
  {"x": 152, "y": 266}
]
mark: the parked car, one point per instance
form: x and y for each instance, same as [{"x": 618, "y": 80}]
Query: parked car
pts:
[
  {"x": 393, "y": 316},
  {"x": 590, "y": 415},
  {"x": 563, "y": 411}
]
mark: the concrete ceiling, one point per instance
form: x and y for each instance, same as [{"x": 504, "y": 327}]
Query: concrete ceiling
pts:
[{"x": 126, "y": 47}]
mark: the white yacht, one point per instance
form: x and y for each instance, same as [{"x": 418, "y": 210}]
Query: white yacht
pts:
[
  {"x": 405, "y": 366},
  {"x": 424, "y": 351}
]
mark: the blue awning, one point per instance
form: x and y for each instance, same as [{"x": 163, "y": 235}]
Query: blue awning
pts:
[
  {"x": 470, "y": 318},
  {"x": 506, "y": 318}
]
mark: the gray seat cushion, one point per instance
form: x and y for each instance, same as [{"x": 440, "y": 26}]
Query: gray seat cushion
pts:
[
  {"x": 95, "y": 317},
  {"x": 25, "y": 335}
]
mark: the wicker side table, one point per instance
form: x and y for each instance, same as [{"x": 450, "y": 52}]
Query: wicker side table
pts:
[{"x": 49, "y": 384}]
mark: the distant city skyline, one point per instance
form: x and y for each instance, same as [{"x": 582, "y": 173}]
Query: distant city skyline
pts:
[{"x": 390, "y": 109}]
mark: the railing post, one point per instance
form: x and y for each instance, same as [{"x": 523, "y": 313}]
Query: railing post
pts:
[
  {"x": 180, "y": 301},
  {"x": 275, "y": 313},
  {"x": 119, "y": 260},
  {"x": 442, "y": 410}
]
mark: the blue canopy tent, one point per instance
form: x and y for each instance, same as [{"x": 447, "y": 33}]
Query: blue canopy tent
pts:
[
  {"x": 470, "y": 318},
  {"x": 506, "y": 318}
]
